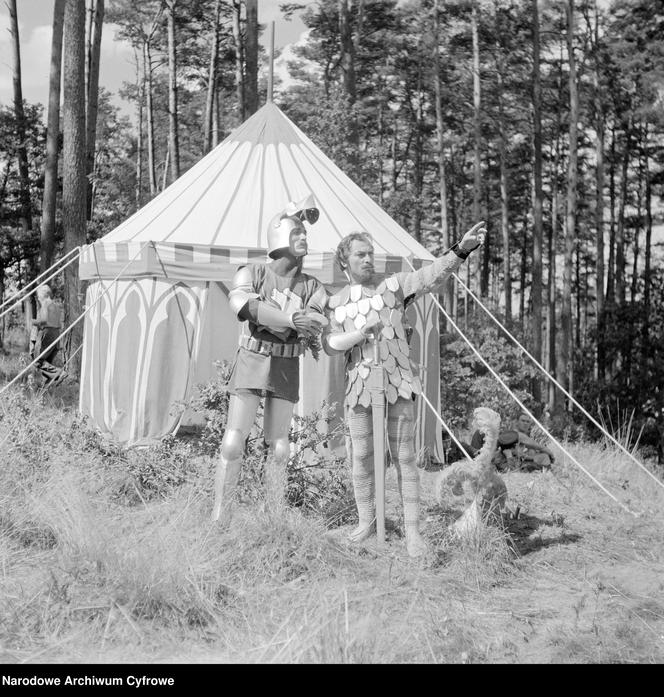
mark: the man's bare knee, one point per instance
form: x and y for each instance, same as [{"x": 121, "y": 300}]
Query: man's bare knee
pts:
[
  {"x": 232, "y": 446},
  {"x": 280, "y": 448}
]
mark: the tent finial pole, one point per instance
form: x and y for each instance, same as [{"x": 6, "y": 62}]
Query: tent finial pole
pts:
[{"x": 270, "y": 75}]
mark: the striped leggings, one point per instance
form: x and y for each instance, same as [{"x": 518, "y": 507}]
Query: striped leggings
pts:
[{"x": 401, "y": 439}]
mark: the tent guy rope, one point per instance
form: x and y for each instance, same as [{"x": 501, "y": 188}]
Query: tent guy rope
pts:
[
  {"x": 527, "y": 411},
  {"x": 516, "y": 399},
  {"x": 74, "y": 323},
  {"x": 519, "y": 402},
  {"x": 555, "y": 382},
  {"x": 55, "y": 273}
]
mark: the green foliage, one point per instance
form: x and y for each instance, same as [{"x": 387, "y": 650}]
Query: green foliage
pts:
[
  {"x": 466, "y": 383},
  {"x": 317, "y": 482},
  {"x": 211, "y": 400}
]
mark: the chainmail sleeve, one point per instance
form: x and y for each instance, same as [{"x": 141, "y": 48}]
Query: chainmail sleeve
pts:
[{"x": 428, "y": 278}]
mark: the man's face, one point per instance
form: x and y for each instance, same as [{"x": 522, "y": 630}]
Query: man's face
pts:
[
  {"x": 523, "y": 424},
  {"x": 361, "y": 262},
  {"x": 297, "y": 242}
]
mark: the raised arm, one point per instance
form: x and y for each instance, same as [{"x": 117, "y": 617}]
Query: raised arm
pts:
[{"x": 426, "y": 279}]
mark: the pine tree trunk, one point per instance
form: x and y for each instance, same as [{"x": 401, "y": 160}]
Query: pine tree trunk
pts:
[
  {"x": 577, "y": 288},
  {"x": 504, "y": 209},
  {"x": 239, "y": 61},
  {"x": 639, "y": 224},
  {"x": 347, "y": 62},
  {"x": 647, "y": 280},
  {"x": 149, "y": 119},
  {"x": 551, "y": 315},
  {"x": 21, "y": 153},
  {"x": 609, "y": 298},
  {"x": 140, "y": 108},
  {"x": 92, "y": 90},
  {"x": 477, "y": 125},
  {"x": 251, "y": 58},
  {"x": 565, "y": 347},
  {"x": 620, "y": 230},
  {"x": 73, "y": 179},
  {"x": 216, "y": 120},
  {"x": 552, "y": 366},
  {"x": 418, "y": 178},
  {"x": 173, "y": 135},
  {"x": 212, "y": 80},
  {"x": 536, "y": 289},
  {"x": 47, "y": 245},
  {"x": 21, "y": 150},
  {"x": 381, "y": 160},
  {"x": 347, "y": 54},
  {"x": 448, "y": 287},
  {"x": 600, "y": 130},
  {"x": 523, "y": 276}
]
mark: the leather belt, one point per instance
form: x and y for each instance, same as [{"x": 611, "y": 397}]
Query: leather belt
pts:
[{"x": 269, "y": 348}]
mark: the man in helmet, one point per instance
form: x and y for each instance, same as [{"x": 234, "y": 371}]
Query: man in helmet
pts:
[
  {"x": 362, "y": 309},
  {"x": 278, "y": 306}
]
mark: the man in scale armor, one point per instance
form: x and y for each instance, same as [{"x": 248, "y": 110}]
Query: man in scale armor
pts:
[{"x": 365, "y": 308}]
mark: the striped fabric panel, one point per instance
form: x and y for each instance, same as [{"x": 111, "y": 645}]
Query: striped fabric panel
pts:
[{"x": 203, "y": 262}]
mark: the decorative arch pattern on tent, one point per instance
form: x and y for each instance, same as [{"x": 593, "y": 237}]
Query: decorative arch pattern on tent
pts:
[{"x": 187, "y": 244}]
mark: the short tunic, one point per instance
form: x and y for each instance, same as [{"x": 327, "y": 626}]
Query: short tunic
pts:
[{"x": 274, "y": 375}]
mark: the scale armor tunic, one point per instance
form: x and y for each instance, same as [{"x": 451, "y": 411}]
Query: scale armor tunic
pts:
[{"x": 356, "y": 305}]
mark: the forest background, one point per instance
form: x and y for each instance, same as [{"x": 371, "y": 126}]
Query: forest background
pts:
[{"x": 542, "y": 117}]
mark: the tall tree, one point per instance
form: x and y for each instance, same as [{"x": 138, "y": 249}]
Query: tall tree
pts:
[
  {"x": 477, "y": 124},
  {"x": 211, "y": 98},
  {"x": 440, "y": 137},
  {"x": 141, "y": 25},
  {"x": 251, "y": 57},
  {"x": 74, "y": 181},
  {"x": 600, "y": 135},
  {"x": 239, "y": 60},
  {"x": 348, "y": 43},
  {"x": 140, "y": 111},
  {"x": 92, "y": 95},
  {"x": 536, "y": 288},
  {"x": 21, "y": 150},
  {"x": 565, "y": 349},
  {"x": 173, "y": 129},
  {"x": 52, "y": 140}
]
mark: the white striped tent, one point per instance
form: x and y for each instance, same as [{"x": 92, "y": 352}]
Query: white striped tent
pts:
[{"x": 155, "y": 335}]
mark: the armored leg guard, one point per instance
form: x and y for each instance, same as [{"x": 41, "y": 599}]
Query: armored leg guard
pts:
[
  {"x": 241, "y": 414},
  {"x": 401, "y": 435},
  {"x": 361, "y": 434}
]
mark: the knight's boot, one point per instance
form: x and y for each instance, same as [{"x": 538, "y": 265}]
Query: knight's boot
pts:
[
  {"x": 364, "y": 530},
  {"x": 364, "y": 491},
  {"x": 226, "y": 476},
  {"x": 415, "y": 543}
]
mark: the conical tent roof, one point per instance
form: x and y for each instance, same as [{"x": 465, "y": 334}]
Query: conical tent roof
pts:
[
  {"x": 155, "y": 333},
  {"x": 215, "y": 216}
]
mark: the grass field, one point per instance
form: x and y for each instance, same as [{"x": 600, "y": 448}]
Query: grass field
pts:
[{"x": 108, "y": 556}]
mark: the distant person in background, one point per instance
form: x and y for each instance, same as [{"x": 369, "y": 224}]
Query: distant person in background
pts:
[{"x": 46, "y": 330}]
